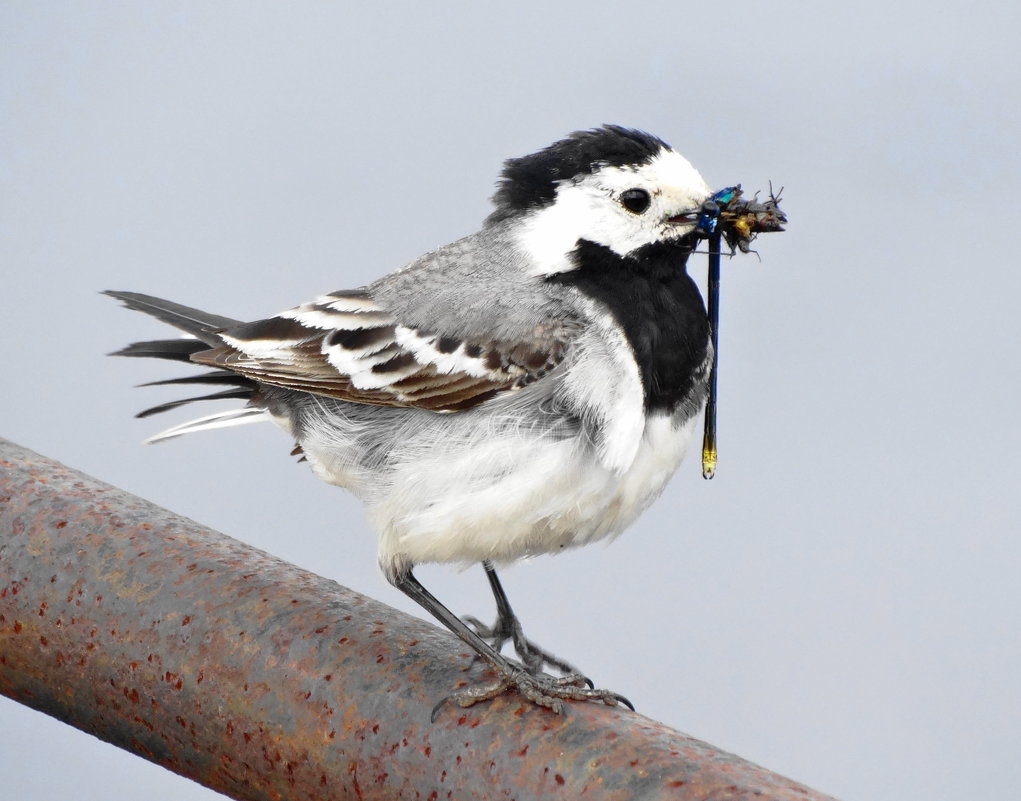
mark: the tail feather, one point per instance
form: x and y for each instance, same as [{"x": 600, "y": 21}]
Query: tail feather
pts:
[
  {"x": 245, "y": 393},
  {"x": 200, "y": 324},
  {"x": 212, "y": 377},
  {"x": 233, "y": 417},
  {"x": 201, "y": 330},
  {"x": 178, "y": 350}
]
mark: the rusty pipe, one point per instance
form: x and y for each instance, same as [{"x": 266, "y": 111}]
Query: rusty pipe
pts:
[{"x": 263, "y": 681}]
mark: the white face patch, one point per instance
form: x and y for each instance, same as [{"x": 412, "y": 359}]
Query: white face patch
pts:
[{"x": 590, "y": 208}]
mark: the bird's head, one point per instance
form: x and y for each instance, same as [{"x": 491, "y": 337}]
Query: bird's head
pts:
[{"x": 619, "y": 188}]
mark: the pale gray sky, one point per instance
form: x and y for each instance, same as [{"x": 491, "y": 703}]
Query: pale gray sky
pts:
[{"x": 841, "y": 603}]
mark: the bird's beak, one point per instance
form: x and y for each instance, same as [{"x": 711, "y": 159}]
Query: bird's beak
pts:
[{"x": 685, "y": 218}]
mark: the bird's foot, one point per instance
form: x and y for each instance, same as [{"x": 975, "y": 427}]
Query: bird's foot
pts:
[
  {"x": 546, "y": 691},
  {"x": 533, "y": 657}
]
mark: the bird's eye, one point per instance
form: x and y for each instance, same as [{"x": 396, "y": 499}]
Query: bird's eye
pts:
[{"x": 635, "y": 200}]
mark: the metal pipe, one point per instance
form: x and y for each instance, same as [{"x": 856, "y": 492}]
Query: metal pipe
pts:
[{"x": 263, "y": 681}]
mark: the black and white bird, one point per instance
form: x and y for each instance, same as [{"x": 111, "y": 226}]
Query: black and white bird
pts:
[{"x": 526, "y": 389}]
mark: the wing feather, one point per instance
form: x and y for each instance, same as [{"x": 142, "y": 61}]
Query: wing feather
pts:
[{"x": 344, "y": 345}]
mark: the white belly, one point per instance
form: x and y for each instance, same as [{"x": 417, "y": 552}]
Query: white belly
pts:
[{"x": 516, "y": 496}]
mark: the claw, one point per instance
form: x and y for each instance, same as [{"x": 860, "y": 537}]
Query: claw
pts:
[{"x": 545, "y": 691}]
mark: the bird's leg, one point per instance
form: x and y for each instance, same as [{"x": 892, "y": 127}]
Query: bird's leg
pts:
[
  {"x": 543, "y": 690},
  {"x": 508, "y": 627}
]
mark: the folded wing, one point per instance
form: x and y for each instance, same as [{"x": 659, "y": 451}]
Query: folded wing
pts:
[{"x": 344, "y": 345}]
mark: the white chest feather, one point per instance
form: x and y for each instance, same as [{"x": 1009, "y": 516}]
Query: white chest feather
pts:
[{"x": 517, "y": 496}]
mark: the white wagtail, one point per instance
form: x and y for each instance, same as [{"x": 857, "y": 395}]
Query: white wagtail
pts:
[{"x": 526, "y": 389}]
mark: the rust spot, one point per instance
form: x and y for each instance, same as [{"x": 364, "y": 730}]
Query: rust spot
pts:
[
  {"x": 42, "y": 609},
  {"x": 321, "y": 629},
  {"x": 328, "y": 677},
  {"x": 62, "y": 524},
  {"x": 558, "y": 779},
  {"x": 43, "y": 641},
  {"x": 680, "y": 783},
  {"x": 186, "y": 621},
  {"x": 17, "y": 627},
  {"x": 523, "y": 751}
]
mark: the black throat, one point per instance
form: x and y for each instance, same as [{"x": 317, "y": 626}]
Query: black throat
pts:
[{"x": 658, "y": 306}]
